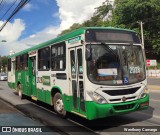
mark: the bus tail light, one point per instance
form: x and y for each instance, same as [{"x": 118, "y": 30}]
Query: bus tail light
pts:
[{"x": 97, "y": 98}]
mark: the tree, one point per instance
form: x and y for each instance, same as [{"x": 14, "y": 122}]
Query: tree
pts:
[
  {"x": 128, "y": 12},
  {"x": 96, "y": 20},
  {"x": 73, "y": 27},
  {"x": 3, "y": 61}
]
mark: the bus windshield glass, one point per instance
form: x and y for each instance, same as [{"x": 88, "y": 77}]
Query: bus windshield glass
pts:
[{"x": 115, "y": 64}]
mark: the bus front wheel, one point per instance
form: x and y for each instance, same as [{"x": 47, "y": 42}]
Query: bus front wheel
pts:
[{"x": 58, "y": 105}]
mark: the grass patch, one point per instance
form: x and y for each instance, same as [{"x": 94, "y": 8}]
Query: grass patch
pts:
[{"x": 157, "y": 67}]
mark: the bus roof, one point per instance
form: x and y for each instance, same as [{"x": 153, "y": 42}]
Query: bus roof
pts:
[{"x": 64, "y": 37}]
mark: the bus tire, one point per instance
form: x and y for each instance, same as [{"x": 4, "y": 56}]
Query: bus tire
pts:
[
  {"x": 19, "y": 91},
  {"x": 58, "y": 105}
]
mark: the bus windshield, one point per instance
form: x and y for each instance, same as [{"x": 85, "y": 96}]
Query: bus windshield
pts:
[{"x": 115, "y": 64}]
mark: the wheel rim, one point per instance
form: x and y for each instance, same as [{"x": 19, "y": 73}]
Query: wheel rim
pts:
[{"x": 59, "y": 105}]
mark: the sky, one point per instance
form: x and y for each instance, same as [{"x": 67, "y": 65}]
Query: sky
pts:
[{"x": 42, "y": 20}]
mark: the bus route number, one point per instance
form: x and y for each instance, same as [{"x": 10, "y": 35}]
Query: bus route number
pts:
[{"x": 134, "y": 70}]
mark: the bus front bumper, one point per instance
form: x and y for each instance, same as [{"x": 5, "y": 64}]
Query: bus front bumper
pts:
[{"x": 95, "y": 111}]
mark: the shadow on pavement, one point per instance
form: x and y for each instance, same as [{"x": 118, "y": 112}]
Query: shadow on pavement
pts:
[
  {"x": 51, "y": 119},
  {"x": 46, "y": 115}
]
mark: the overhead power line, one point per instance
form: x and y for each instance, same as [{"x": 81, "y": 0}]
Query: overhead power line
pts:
[
  {"x": 11, "y": 10},
  {"x": 8, "y": 9},
  {"x": 2, "y": 5}
]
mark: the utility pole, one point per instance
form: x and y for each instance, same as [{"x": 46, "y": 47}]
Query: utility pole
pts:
[{"x": 142, "y": 37}]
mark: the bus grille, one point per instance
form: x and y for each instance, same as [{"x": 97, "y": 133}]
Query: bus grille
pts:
[
  {"x": 124, "y": 107},
  {"x": 121, "y": 91},
  {"x": 119, "y": 99}
]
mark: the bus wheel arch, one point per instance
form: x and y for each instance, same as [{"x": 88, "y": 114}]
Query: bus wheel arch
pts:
[{"x": 57, "y": 102}]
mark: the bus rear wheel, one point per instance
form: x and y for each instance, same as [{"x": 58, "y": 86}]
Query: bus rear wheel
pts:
[
  {"x": 58, "y": 105},
  {"x": 19, "y": 90}
]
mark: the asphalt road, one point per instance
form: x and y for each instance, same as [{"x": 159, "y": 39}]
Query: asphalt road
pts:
[
  {"x": 13, "y": 119},
  {"x": 142, "y": 119},
  {"x": 6, "y": 109},
  {"x": 153, "y": 81},
  {"x": 16, "y": 121},
  {"x": 77, "y": 125}
]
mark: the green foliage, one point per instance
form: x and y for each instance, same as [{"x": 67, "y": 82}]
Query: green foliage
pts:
[
  {"x": 73, "y": 27},
  {"x": 128, "y": 14},
  {"x": 153, "y": 68},
  {"x": 96, "y": 20},
  {"x": 158, "y": 64},
  {"x": 3, "y": 60}
]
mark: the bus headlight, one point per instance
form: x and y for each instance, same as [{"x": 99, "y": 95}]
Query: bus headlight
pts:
[
  {"x": 144, "y": 93},
  {"x": 97, "y": 98}
]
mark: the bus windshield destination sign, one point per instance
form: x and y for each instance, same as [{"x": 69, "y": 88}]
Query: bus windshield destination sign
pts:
[{"x": 116, "y": 36}]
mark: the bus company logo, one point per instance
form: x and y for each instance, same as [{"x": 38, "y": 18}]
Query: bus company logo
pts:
[
  {"x": 6, "y": 129},
  {"x": 74, "y": 40},
  {"x": 123, "y": 99}
]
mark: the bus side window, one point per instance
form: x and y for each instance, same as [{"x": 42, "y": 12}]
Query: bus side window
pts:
[
  {"x": 44, "y": 59},
  {"x": 9, "y": 65},
  {"x": 58, "y": 56}
]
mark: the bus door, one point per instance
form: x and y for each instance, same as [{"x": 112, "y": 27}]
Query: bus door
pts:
[
  {"x": 32, "y": 75},
  {"x": 76, "y": 79}
]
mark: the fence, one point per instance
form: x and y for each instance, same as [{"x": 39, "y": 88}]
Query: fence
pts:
[{"x": 153, "y": 73}]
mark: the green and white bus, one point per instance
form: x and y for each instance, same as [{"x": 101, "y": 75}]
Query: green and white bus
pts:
[{"x": 94, "y": 72}]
